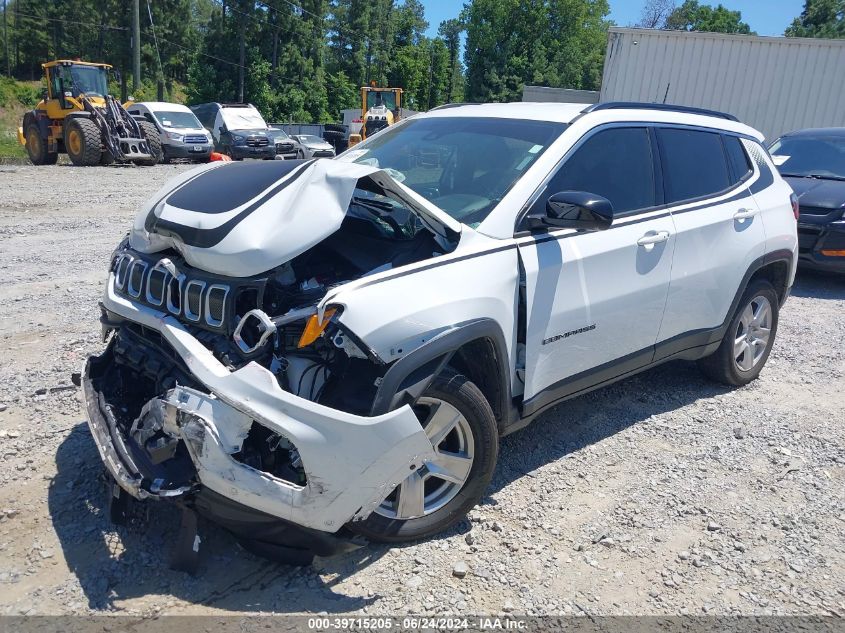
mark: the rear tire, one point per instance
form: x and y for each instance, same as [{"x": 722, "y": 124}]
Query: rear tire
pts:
[
  {"x": 153, "y": 138},
  {"x": 36, "y": 147},
  {"x": 83, "y": 142},
  {"x": 749, "y": 339},
  {"x": 474, "y": 435}
]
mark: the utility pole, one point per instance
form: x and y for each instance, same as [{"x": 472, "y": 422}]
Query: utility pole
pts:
[
  {"x": 242, "y": 55},
  {"x": 136, "y": 45},
  {"x": 6, "y": 39}
]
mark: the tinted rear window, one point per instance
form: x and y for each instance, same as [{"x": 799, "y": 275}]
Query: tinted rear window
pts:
[
  {"x": 694, "y": 164},
  {"x": 737, "y": 158}
]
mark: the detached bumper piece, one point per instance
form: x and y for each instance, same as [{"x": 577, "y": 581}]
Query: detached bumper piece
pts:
[
  {"x": 161, "y": 468},
  {"x": 171, "y": 422}
]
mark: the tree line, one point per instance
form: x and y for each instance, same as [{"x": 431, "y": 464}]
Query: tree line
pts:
[{"x": 305, "y": 60}]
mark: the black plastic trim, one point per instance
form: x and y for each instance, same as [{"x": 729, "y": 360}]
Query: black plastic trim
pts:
[
  {"x": 687, "y": 346},
  {"x": 665, "y": 107},
  {"x": 409, "y": 376}
]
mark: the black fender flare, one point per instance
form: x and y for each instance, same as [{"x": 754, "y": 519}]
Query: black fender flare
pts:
[
  {"x": 410, "y": 376},
  {"x": 39, "y": 118}
]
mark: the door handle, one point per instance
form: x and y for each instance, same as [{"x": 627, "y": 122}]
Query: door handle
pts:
[
  {"x": 744, "y": 214},
  {"x": 653, "y": 238}
]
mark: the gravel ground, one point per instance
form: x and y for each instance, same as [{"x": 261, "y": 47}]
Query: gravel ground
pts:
[{"x": 663, "y": 494}]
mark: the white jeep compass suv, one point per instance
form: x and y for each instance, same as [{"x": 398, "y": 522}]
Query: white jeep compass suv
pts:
[{"x": 302, "y": 350}]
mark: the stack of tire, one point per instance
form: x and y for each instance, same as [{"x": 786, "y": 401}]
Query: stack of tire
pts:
[{"x": 335, "y": 134}]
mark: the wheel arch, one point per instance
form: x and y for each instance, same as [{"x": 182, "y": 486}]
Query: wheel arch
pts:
[
  {"x": 34, "y": 117},
  {"x": 475, "y": 348},
  {"x": 776, "y": 272}
]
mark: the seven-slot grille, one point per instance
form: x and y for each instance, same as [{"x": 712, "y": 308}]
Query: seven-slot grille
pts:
[
  {"x": 196, "y": 140},
  {"x": 257, "y": 141},
  {"x": 195, "y": 300}
]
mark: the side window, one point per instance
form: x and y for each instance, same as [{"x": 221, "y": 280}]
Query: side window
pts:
[
  {"x": 615, "y": 163},
  {"x": 694, "y": 163},
  {"x": 737, "y": 158}
]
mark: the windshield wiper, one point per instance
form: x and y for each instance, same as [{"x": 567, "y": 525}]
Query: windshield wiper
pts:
[
  {"x": 816, "y": 176},
  {"x": 378, "y": 204}
]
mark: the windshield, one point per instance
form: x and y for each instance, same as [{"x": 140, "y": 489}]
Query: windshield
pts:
[
  {"x": 387, "y": 99},
  {"x": 278, "y": 133},
  {"x": 89, "y": 80},
  {"x": 819, "y": 156},
  {"x": 464, "y": 165},
  {"x": 309, "y": 138},
  {"x": 182, "y": 120},
  {"x": 243, "y": 119}
]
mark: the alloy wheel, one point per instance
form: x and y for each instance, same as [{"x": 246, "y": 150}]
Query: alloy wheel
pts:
[
  {"x": 439, "y": 480},
  {"x": 753, "y": 333}
]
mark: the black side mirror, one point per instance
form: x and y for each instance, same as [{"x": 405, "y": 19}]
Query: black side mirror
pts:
[
  {"x": 575, "y": 210},
  {"x": 222, "y": 129}
]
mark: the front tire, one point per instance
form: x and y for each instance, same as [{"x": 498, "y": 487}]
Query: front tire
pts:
[
  {"x": 153, "y": 138},
  {"x": 461, "y": 426},
  {"x": 83, "y": 142},
  {"x": 748, "y": 342},
  {"x": 36, "y": 147}
]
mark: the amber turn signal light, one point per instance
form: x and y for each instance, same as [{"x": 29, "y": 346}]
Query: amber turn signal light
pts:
[
  {"x": 314, "y": 328},
  {"x": 833, "y": 253}
]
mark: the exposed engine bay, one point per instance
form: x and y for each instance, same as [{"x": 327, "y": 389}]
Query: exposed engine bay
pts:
[{"x": 225, "y": 377}]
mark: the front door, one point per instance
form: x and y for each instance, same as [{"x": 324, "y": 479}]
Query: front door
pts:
[{"x": 595, "y": 300}]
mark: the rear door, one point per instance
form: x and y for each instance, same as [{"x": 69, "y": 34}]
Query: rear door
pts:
[
  {"x": 719, "y": 230},
  {"x": 594, "y": 300}
]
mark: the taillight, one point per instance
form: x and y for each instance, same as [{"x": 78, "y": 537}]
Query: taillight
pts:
[{"x": 796, "y": 211}]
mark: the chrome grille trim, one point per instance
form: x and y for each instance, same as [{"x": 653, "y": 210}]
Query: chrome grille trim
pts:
[
  {"x": 151, "y": 299},
  {"x": 186, "y": 301},
  {"x": 171, "y": 305},
  {"x": 173, "y": 293},
  {"x": 208, "y": 317},
  {"x": 130, "y": 288},
  {"x": 121, "y": 268}
]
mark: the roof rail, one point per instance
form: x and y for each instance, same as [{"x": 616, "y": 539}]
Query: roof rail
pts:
[
  {"x": 666, "y": 107},
  {"x": 447, "y": 106}
]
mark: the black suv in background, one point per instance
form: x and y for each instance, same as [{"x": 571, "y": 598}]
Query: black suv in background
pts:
[
  {"x": 238, "y": 129},
  {"x": 813, "y": 163}
]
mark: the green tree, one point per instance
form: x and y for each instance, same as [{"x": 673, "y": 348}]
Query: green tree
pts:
[
  {"x": 450, "y": 31},
  {"x": 511, "y": 43},
  {"x": 820, "y": 18},
  {"x": 692, "y": 16}
]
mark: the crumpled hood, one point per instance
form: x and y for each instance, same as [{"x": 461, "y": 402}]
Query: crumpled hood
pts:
[{"x": 242, "y": 219}]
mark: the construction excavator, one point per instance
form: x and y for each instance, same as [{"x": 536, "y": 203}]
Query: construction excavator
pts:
[{"x": 78, "y": 117}]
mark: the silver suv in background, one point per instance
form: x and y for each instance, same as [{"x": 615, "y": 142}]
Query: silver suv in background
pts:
[{"x": 182, "y": 135}]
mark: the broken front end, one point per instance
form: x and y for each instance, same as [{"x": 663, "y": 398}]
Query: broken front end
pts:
[{"x": 243, "y": 398}]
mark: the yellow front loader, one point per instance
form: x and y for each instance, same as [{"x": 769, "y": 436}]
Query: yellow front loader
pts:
[
  {"x": 380, "y": 108},
  {"x": 78, "y": 117}
]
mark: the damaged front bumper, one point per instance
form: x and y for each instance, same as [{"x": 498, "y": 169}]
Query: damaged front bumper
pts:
[{"x": 351, "y": 462}]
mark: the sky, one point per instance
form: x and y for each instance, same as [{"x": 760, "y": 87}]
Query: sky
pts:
[{"x": 766, "y": 17}]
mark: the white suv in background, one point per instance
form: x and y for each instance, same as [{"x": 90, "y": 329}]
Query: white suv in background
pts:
[
  {"x": 300, "y": 350},
  {"x": 182, "y": 135}
]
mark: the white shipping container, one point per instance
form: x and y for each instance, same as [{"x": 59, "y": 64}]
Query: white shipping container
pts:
[{"x": 775, "y": 84}]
